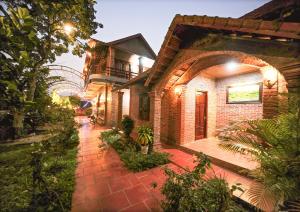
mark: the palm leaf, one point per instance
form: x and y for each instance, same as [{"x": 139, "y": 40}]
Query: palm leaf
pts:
[
  {"x": 261, "y": 197},
  {"x": 294, "y": 206}
]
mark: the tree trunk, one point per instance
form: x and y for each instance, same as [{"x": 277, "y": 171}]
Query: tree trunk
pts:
[
  {"x": 32, "y": 87},
  {"x": 18, "y": 123}
]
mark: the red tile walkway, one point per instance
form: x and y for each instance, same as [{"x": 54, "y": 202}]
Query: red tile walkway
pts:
[{"x": 104, "y": 184}]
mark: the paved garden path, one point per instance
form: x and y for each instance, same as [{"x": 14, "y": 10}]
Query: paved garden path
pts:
[{"x": 104, "y": 184}]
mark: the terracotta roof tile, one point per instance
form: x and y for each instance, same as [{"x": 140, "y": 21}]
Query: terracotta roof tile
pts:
[{"x": 286, "y": 30}]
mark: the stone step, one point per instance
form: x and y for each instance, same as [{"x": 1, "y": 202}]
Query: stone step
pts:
[{"x": 217, "y": 161}]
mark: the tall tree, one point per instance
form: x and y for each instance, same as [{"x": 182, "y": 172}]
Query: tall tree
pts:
[{"x": 33, "y": 33}]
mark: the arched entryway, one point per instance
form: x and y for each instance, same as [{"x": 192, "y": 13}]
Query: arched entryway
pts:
[{"x": 205, "y": 93}]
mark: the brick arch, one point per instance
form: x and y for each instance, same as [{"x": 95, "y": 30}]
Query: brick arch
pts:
[
  {"x": 172, "y": 115},
  {"x": 182, "y": 71}
]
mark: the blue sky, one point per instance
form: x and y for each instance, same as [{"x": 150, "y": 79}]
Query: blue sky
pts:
[{"x": 152, "y": 18}]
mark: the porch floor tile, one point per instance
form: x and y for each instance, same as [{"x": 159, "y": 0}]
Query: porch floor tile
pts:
[{"x": 210, "y": 146}]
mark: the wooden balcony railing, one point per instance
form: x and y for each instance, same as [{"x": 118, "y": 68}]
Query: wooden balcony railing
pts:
[
  {"x": 111, "y": 71},
  {"x": 120, "y": 73}
]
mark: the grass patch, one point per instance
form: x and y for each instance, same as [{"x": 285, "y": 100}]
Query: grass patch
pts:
[
  {"x": 130, "y": 154},
  {"x": 16, "y": 177}
]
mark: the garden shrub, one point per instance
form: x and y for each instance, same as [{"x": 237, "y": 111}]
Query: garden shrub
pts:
[
  {"x": 190, "y": 191},
  {"x": 41, "y": 177},
  {"x": 129, "y": 153},
  {"x": 16, "y": 182},
  {"x": 127, "y": 125},
  {"x": 88, "y": 111},
  {"x": 109, "y": 136},
  {"x": 275, "y": 145},
  {"x": 136, "y": 161}
]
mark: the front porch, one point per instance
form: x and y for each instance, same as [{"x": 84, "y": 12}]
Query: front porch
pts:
[{"x": 210, "y": 146}]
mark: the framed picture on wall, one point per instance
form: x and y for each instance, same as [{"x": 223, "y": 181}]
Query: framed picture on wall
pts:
[{"x": 244, "y": 94}]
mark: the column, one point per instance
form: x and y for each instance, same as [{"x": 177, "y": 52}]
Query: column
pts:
[
  {"x": 155, "y": 116},
  {"x": 181, "y": 116}
]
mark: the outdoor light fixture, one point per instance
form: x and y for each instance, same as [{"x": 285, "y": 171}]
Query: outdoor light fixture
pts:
[
  {"x": 68, "y": 28},
  {"x": 270, "y": 76},
  {"x": 231, "y": 66},
  {"x": 89, "y": 54},
  {"x": 178, "y": 90}
]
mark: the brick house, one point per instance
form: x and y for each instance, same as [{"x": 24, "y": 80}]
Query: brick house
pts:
[
  {"x": 211, "y": 71},
  {"x": 109, "y": 65}
]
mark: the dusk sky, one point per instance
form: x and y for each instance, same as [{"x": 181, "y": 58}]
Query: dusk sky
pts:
[{"x": 152, "y": 18}]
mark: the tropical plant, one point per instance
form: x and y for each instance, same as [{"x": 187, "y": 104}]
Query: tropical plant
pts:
[
  {"x": 145, "y": 135},
  {"x": 191, "y": 191},
  {"x": 110, "y": 136},
  {"x": 131, "y": 156},
  {"x": 275, "y": 144},
  {"x": 127, "y": 125},
  {"x": 32, "y": 34}
]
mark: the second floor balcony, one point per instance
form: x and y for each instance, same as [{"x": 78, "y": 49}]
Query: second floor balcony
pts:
[{"x": 110, "y": 74}]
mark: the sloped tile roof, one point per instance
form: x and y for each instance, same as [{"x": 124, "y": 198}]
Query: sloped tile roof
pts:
[{"x": 278, "y": 30}]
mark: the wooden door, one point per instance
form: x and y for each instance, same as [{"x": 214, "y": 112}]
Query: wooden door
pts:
[{"x": 200, "y": 115}]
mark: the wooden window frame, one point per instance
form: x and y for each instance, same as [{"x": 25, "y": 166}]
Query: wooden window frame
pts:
[{"x": 144, "y": 114}]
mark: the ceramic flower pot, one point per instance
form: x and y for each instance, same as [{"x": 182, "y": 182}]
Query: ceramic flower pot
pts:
[{"x": 144, "y": 149}]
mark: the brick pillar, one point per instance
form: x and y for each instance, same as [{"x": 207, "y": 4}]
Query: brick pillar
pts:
[
  {"x": 270, "y": 102},
  {"x": 180, "y": 138},
  {"x": 120, "y": 105},
  {"x": 155, "y": 117}
]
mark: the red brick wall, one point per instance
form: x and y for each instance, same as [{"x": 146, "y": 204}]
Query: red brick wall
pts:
[
  {"x": 178, "y": 113},
  {"x": 170, "y": 118},
  {"x": 200, "y": 83},
  {"x": 114, "y": 109},
  {"x": 227, "y": 113},
  {"x": 135, "y": 91}
]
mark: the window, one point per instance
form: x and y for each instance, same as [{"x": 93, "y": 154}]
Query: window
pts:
[
  {"x": 144, "y": 107},
  {"x": 239, "y": 94}
]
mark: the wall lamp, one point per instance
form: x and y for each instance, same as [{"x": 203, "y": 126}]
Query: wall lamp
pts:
[
  {"x": 178, "y": 90},
  {"x": 270, "y": 76},
  {"x": 89, "y": 54}
]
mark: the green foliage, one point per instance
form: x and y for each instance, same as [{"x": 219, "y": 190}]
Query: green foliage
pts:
[
  {"x": 88, "y": 111},
  {"x": 145, "y": 135},
  {"x": 32, "y": 35},
  {"x": 136, "y": 161},
  {"x": 133, "y": 159},
  {"x": 110, "y": 136},
  {"x": 16, "y": 182},
  {"x": 191, "y": 191},
  {"x": 275, "y": 144},
  {"x": 127, "y": 125},
  {"x": 75, "y": 101}
]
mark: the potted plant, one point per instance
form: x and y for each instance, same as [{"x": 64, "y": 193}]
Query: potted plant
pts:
[{"x": 145, "y": 138}]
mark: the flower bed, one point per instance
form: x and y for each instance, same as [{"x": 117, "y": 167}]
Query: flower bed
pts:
[{"x": 130, "y": 153}]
